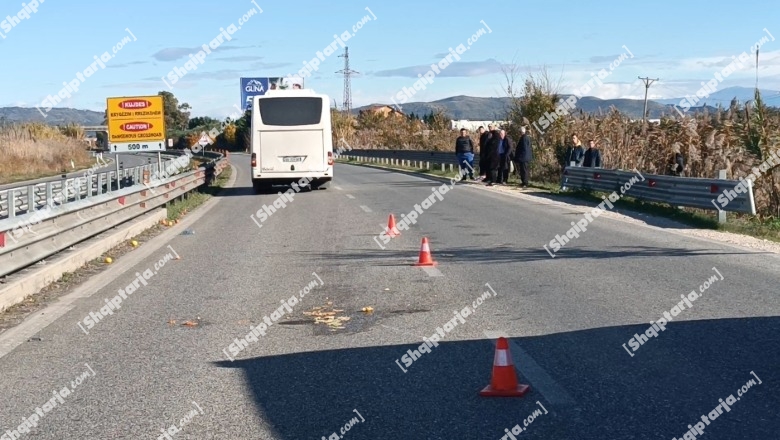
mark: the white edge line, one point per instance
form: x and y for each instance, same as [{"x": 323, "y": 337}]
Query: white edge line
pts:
[{"x": 534, "y": 373}]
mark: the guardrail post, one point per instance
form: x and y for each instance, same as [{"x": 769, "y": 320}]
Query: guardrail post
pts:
[
  {"x": 721, "y": 213},
  {"x": 49, "y": 191},
  {"x": 11, "y": 203},
  {"x": 443, "y": 168},
  {"x": 31, "y": 198},
  {"x": 76, "y": 189}
]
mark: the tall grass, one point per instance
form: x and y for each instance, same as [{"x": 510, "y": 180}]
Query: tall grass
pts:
[{"x": 32, "y": 150}]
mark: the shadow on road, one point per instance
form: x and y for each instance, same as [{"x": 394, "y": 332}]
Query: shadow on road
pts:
[
  {"x": 589, "y": 384},
  {"x": 509, "y": 254}
]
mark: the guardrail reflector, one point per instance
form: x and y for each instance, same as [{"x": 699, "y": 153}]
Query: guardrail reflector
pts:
[
  {"x": 121, "y": 200},
  {"x": 143, "y": 205},
  {"x": 651, "y": 183},
  {"x": 2, "y": 239},
  {"x": 596, "y": 176},
  {"x": 714, "y": 189}
]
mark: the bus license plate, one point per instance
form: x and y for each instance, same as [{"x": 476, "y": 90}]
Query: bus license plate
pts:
[{"x": 293, "y": 159}]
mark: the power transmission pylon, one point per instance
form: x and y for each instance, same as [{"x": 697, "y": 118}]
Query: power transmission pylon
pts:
[
  {"x": 347, "y": 81},
  {"x": 647, "y": 82}
]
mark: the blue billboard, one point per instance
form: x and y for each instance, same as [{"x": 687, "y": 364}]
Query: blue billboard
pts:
[{"x": 251, "y": 87}]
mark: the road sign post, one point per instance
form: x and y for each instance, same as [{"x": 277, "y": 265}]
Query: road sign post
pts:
[
  {"x": 136, "y": 124},
  {"x": 203, "y": 142}
]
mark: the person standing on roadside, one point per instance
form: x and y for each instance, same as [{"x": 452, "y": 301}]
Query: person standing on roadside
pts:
[
  {"x": 464, "y": 151},
  {"x": 523, "y": 156},
  {"x": 592, "y": 156},
  {"x": 483, "y": 139},
  {"x": 676, "y": 162},
  {"x": 504, "y": 152},
  {"x": 575, "y": 153},
  {"x": 492, "y": 157},
  {"x": 482, "y": 142}
]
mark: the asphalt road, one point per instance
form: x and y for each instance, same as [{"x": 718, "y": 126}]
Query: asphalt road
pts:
[{"x": 567, "y": 319}]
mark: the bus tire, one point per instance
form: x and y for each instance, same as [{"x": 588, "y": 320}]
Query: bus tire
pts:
[{"x": 323, "y": 185}]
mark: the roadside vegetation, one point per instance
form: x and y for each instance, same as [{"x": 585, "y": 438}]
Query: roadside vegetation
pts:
[{"x": 34, "y": 150}]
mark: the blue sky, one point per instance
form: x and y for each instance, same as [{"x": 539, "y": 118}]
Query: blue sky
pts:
[{"x": 680, "y": 42}]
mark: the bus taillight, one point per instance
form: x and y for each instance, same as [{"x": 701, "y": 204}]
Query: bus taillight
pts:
[
  {"x": 254, "y": 160},
  {"x": 330, "y": 158}
]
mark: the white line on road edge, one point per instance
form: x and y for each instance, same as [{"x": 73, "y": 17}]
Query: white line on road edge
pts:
[
  {"x": 338, "y": 187},
  {"x": 432, "y": 271},
  {"x": 546, "y": 385},
  {"x": 350, "y": 196},
  {"x": 365, "y": 208}
]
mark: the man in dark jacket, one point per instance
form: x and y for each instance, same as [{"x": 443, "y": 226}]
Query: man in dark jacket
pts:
[
  {"x": 464, "y": 151},
  {"x": 492, "y": 157},
  {"x": 575, "y": 153},
  {"x": 523, "y": 157},
  {"x": 504, "y": 153},
  {"x": 592, "y": 156},
  {"x": 483, "y": 138}
]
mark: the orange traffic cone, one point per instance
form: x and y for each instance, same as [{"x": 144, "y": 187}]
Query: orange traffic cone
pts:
[
  {"x": 392, "y": 231},
  {"x": 504, "y": 381},
  {"x": 425, "y": 254}
]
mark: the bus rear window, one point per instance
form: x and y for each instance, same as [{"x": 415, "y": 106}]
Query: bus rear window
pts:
[{"x": 290, "y": 111}]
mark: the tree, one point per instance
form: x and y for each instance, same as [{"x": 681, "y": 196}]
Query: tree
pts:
[
  {"x": 203, "y": 121},
  {"x": 176, "y": 115}
]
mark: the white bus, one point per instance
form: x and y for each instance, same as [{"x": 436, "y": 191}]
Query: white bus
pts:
[{"x": 291, "y": 139}]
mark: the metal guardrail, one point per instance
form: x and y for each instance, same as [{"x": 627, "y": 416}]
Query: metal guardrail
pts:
[
  {"x": 28, "y": 238},
  {"x": 25, "y": 197},
  {"x": 72, "y": 189},
  {"x": 676, "y": 191},
  {"x": 438, "y": 157}
]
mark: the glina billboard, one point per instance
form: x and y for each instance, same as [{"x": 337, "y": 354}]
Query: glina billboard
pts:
[{"x": 259, "y": 86}]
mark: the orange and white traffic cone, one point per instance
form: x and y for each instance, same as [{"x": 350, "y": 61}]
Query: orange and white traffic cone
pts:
[
  {"x": 504, "y": 381},
  {"x": 425, "y": 254},
  {"x": 392, "y": 231}
]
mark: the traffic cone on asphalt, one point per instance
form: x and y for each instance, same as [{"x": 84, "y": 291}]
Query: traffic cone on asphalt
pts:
[
  {"x": 425, "y": 254},
  {"x": 504, "y": 381},
  {"x": 392, "y": 231}
]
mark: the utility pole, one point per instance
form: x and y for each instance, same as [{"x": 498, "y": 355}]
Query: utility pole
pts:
[
  {"x": 347, "y": 81},
  {"x": 647, "y": 82}
]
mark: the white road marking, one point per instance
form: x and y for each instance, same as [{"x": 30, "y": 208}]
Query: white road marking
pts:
[
  {"x": 365, "y": 208},
  {"x": 338, "y": 187},
  {"x": 534, "y": 373},
  {"x": 432, "y": 271},
  {"x": 350, "y": 196}
]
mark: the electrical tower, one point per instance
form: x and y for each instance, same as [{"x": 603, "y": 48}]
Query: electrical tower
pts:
[
  {"x": 647, "y": 82},
  {"x": 347, "y": 81}
]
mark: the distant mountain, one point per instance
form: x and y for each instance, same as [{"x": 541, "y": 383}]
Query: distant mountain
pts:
[
  {"x": 485, "y": 109},
  {"x": 724, "y": 97},
  {"x": 55, "y": 116}
]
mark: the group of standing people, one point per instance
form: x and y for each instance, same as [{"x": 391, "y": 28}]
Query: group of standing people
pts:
[
  {"x": 496, "y": 152},
  {"x": 578, "y": 156}
]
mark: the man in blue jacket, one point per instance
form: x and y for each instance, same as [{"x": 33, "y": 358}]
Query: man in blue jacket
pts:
[
  {"x": 464, "y": 151},
  {"x": 523, "y": 157}
]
